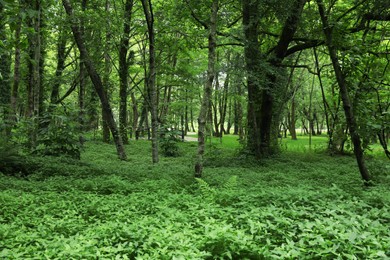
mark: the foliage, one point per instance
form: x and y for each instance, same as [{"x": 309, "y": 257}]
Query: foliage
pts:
[
  {"x": 58, "y": 137},
  {"x": 291, "y": 206},
  {"x": 169, "y": 139},
  {"x": 11, "y": 161}
]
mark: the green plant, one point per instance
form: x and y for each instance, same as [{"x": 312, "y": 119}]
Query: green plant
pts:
[
  {"x": 58, "y": 136},
  {"x": 11, "y": 162},
  {"x": 169, "y": 142}
]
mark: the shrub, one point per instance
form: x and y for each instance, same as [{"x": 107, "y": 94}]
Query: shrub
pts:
[
  {"x": 59, "y": 137},
  {"x": 169, "y": 140},
  {"x": 11, "y": 162}
]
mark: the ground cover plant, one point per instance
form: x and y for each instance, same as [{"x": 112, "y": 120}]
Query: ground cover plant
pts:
[{"x": 299, "y": 204}]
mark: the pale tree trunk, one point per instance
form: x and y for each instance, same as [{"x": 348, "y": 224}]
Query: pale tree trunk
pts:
[
  {"x": 224, "y": 101},
  {"x": 212, "y": 43},
  {"x": 349, "y": 114},
  {"x": 97, "y": 82},
  {"x": 152, "y": 90},
  {"x": 123, "y": 71}
]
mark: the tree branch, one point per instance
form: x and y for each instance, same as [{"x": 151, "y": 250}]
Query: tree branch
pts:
[{"x": 303, "y": 46}]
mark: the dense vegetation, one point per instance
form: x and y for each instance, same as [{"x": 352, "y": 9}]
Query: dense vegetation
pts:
[
  {"x": 300, "y": 204},
  {"x": 83, "y": 80}
]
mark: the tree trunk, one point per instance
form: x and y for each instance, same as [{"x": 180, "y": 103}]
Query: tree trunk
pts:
[
  {"x": 224, "y": 101},
  {"x": 97, "y": 82},
  {"x": 61, "y": 56},
  {"x": 107, "y": 71},
  {"x": 292, "y": 119},
  {"x": 261, "y": 100},
  {"x": 16, "y": 76},
  {"x": 82, "y": 72},
  {"x": 252, "y": 59},
  {"x": 152, "y": 90},
  {"x": 123, "y": 71},
  {"x": 349, "y": 114},
  {"x": 135, "y": 113},
  {"x": 212, "y": 44},
  {"x": 5, "y": 72},
  {"x": 324, "y": 102}
]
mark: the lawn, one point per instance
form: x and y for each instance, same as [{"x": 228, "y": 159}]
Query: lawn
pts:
[{"x": 301, "y": 204}]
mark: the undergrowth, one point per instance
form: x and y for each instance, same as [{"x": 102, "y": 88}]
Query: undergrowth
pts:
[{"x": 292, "y": 206}]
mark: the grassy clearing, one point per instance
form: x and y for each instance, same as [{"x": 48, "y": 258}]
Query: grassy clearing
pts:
[{"x": 299, "y": 204}]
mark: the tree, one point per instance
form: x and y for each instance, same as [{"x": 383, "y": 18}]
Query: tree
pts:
[
  {"x": 96, "y": 80},
  {"x": 5, "y": 71},
  {"x": 151, "y": 81},
  {"x": 212, "y": 42},
  {"x": 342, "y": 83},
  {"x": 263, "y": 93},
  {"x": 124, "y": 59}
]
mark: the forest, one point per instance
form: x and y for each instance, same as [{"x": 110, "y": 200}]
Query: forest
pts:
[{"x": 179, "y": 129}]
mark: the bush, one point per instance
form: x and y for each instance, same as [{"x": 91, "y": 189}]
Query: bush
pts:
[
  {"x": 11, "y": 162},
  {"x": 169, "y": 142},
  {"x": 59, "y": 138}
]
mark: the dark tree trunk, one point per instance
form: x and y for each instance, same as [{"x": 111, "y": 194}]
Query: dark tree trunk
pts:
[
  {"x": 151, "y": 81},
  {"x": 5, "y": 72},
  {"x": 261, "y": 100},
  {"x": 134, "y": 108},
  {"x": 16, "y": 76},
  {"x": 97, "y": 82},
  {"x": 34, "y": 69},
  {"x": 123, "y": 71},
  {"x": 324, "y": 102},
  {"x": 82, "y": 72},
  {"x": 292, "y": 119},
  {"x": 192, "y": 119},
  {"x": 252, "y": 59},
  {"x": 349, "y": 114},
  {"x": 214, "y": 107},
  {"x": 61, "y": 56},
  {"x": 207, "y": 94},
  {"x": 106, "y": 77}
]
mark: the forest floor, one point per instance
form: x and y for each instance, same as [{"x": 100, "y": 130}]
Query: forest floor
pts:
[{"x": 301, "y": 204}]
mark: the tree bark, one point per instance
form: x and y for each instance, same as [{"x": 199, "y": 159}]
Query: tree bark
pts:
[
  {"x": 97, "y": 82},
  {"x": 348, "y": 110},
  {"x": 5, "y": 72},
  {"x": 106, "y": 75},
  {"x": 261, "y": 99},
  {"x": 123, "y": 71},
  {"x": 61, "y": 56},
  {"x": 212, "y": 44},
  {"x": 151, "y": 82},
  {"x": 16, "y": 75}
]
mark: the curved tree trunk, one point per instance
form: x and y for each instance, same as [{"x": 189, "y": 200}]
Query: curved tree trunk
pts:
[
  {"x": 97, "y": 82},
  {"x": 349, "y": 114}
]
